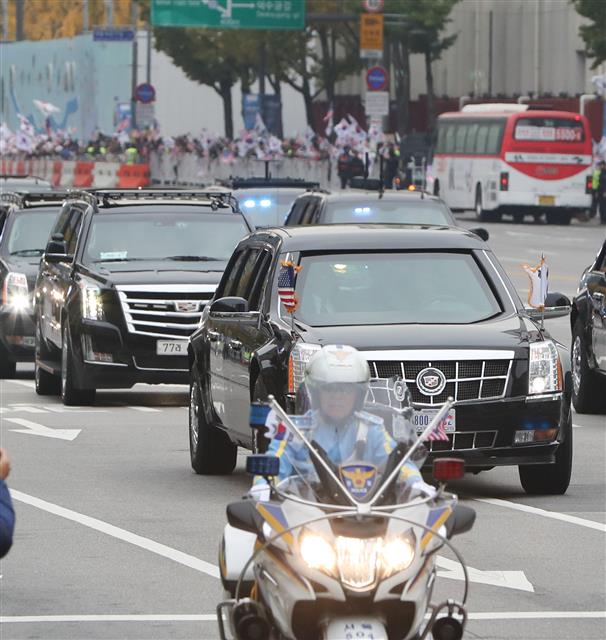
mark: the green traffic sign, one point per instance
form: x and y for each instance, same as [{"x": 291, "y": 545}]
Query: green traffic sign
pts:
[{"x": 229, "y": 14}]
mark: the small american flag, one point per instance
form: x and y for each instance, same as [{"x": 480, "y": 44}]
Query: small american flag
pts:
[
  {"x": 438, "y": 433},
  {"x": 286, "y": 286}
]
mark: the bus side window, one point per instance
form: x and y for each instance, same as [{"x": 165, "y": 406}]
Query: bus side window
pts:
[
  {"x": 470, "y": 140},
  {"x": 460, "y": 138},
  {"x": 494, "y": 139},
  {"x": 441, "y": 141},
  {"x": 449, "y": 138},
  {"x": 481, "y": 139}
]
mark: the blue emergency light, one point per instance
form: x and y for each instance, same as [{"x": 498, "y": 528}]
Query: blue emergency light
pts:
[
  {"x": 260, "y": 464},
  {"x": 258, "y": 414}
]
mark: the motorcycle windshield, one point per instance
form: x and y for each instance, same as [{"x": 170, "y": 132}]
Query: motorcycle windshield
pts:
[{"x": 355, "y": 428}]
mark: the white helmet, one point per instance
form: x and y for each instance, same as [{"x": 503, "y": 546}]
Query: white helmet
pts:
[{"x": 337, "y": 365}]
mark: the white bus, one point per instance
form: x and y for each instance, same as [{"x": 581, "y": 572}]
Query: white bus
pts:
[{"x": 506, "y": 159}]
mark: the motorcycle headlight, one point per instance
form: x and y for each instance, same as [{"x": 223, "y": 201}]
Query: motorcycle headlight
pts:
[
  {"x": 357, "y": 561},
  {"x": 544, "y": 368},
  {"x": 317, "y": 553},
  {"x": 15, "y": 293},
  {"x": 397, "y": 554},
  {"x": 299, "y": 357},
  {"x": 92, "y": 306}
]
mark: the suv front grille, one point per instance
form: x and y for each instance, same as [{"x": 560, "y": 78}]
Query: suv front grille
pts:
[
  {"x": 164, "y": 311},
  {"x": 465, "y": 379}
]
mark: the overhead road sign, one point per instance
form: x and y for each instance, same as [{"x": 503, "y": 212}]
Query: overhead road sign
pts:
[
  {"x": 371, "y": 35},
  {"x": 229, "y": 14},
  {"x": 377, "y": 78},
  {"x": 113, "y": 34}
]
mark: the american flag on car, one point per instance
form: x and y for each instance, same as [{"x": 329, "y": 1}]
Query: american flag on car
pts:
[
  {"x": 286, "y": 286},
  {"x": 438, "y": 433}
]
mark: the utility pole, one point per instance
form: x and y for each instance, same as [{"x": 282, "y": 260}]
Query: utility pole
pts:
[
  {"x": 85, "y": 17},
  {"x": 149, "y": 52},
  {"x": 262, "y": 73},
  {"x": 135, "y": 62},
  {"x": 19, "y": 14}
]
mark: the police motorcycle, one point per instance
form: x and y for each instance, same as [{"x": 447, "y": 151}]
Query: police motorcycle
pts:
[{"x": 343, "y": 551}]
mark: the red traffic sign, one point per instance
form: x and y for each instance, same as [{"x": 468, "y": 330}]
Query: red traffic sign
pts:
[
  {"x": 145, "y": 93},
  {"x": 373, "y": 6},
  {"x": 377, "y": 78}
]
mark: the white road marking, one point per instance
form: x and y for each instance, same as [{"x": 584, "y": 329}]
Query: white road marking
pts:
[
  {"x": 35, "y": 429},
  {"x": 24, "y": 383},
  {"x": 21, "y": 409},
  {"x": 145, "y": 409},
  {"x": 554, "y": 515},
  {"x": 121, "y": 534},
  {"x": 211, "y": 617},
  {"x": 505, "y": 579}
]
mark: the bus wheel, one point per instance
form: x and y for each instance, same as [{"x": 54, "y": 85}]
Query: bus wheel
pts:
[
  {"x": 481, "y": 215},
  {"x": 537, "y": 217},
  {"x": 518, "y": 217}
]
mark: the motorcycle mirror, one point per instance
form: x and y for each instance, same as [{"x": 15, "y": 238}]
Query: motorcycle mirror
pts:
[
  {"x": 447, "y": 469},
  {"x": 260, "y": 464}
]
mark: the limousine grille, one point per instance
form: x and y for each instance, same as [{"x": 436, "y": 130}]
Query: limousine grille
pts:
[
  {"x": 465, "y": 379},
  {"x": 164, "y": 311}
]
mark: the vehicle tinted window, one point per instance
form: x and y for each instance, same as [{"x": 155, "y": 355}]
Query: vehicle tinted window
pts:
[
  {"x": 470, "y": 140},
  {"x": 246, "y": 278},
  {"x": 449, "y": 139},
  {"x": 549, "y": 130},
  {"x": 262, "y": 271},
  {"x": 377, "y": 211},
  {"x": 29, "y": 232},
  {"x": 393, "y": 288},
  {"x": 474, "y": 137},
  {"x": 481, "y": 138},
  {"x": 229, "y": 285},
  {"x": 72, "y": 230},
  {"x": 172, "y": 235}
]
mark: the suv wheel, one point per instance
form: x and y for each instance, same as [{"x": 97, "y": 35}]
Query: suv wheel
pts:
[
  {"x": 70, "y": 395},
  {"x": 8, "y": 369},
  {"x": 587, "y": 385},
  {"x": 550, "y": 479},
  {"x": 47, "y": 384},
  {"x": 211, "y": 450}
]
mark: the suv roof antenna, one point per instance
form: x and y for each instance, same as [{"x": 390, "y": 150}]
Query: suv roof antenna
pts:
[{"x": 267, "y": 174}]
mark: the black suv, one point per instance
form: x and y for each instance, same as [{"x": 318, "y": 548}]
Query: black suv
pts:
[
  {"x": 429, "y": 304},
  {"x": 122, "y": 286},
  {"x": 588, "y": 324},
  {"x": 29, "y": 220}
]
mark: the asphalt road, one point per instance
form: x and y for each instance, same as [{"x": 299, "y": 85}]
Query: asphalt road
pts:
[{"x": 117, "y": 538}]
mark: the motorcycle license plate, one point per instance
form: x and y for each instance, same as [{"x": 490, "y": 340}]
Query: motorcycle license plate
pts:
[
  {"x": 171, "y": 347},
  {"x": 547, "y": 201},
  {"x": 355, "y": 629},
  {"x": 422, "y": 417}
]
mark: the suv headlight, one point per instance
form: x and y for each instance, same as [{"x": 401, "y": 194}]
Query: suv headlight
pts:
[
  {"x": 15, "y": 293},
  {"x": 92, "y": 306},
  {"x": 300, "y": 355},
  {"x": 544, "y": 368}
]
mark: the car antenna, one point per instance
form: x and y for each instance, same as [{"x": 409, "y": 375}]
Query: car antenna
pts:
[{"x": 267, "y": 174}]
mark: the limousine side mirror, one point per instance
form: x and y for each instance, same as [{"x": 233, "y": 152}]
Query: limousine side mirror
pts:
[
  {"x": 230, "y": 304},
  {"x": 556, "y": 306},
  {"x": 481, "y": 232},
  {"x": 56, "y": 249}
]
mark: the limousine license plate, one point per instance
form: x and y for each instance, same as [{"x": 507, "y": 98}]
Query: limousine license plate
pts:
[
  {"x": 422, "y": 417},
  {"x": 171, "y": 347},
  {"x": 547, "y": 201}
]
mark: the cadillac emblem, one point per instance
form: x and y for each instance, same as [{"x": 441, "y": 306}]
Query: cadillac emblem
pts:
[
  {"x": 187, "y": 306},
  {"x": 431, "y": 381}
]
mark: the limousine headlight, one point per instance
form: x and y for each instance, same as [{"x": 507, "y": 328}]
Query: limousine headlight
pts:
[{"x": 545, "y": 369}]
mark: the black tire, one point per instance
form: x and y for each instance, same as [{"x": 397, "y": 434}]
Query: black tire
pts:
[
  {"x": 8, "y": 369},
  {"x": 550, "y": 479},
  {"x": 211, "y": 451},
  {"x": 481, "y": 215},
  {"x": 70, "y": 394},
  {"x": 538, "y": 217},
  {"x": 436, "y": 188},
  {"x": 260, "y": 442},
  {"x": 47, "y": 384},
  {"x": 587, "y": 385},
  {"x": 558, "y": 217}
]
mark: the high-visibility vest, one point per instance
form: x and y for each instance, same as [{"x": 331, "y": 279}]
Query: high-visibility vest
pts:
[{"x": 595, "y": 179}]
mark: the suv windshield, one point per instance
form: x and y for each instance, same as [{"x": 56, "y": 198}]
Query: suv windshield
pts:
[
  {"x": 163, "y": 236},
  {"x": 387, "y": 211},
  {"x": 29, "y": 232},
  {"x": 393, "y": 288}
]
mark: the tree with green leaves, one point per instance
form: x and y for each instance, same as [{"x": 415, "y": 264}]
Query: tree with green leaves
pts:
[{"x": 593, "y": 34}]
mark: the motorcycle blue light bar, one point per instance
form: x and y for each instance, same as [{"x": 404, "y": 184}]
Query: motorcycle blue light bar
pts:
[
  {"x": 260, "y": 464},
  {"x": 258, "y": 414}
]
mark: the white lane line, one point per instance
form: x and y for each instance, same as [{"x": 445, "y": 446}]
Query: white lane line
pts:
[
  {"x": 35, "y": 429},
  {"x": 554, "y": 515},
  {"x": 211, "y": 617},
  {"x": 205, "y": 617},
  {"x": 145, "y": 409},
  {"x": 24, "y": 383},
  {"x": 121, "y": 534}
]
